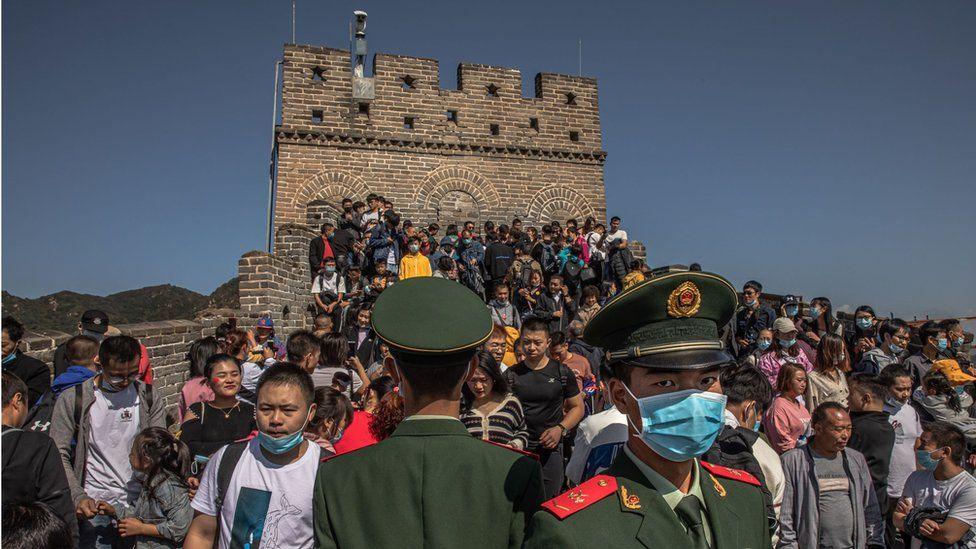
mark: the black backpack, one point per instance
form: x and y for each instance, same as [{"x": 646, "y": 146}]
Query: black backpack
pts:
[
  {"x": 733, "y": 449},
  {"x": 39, "y": 416},
  {"x": 547, "y": 260},
  {"x": 572, "y": 269}
]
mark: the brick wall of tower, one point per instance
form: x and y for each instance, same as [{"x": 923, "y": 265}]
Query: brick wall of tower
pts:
[{"x": 535, "y": 173}]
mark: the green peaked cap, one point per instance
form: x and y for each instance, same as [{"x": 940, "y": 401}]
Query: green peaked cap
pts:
[
  {"x": 431, "y": 317},
  {"x": 676, "y": 312}
]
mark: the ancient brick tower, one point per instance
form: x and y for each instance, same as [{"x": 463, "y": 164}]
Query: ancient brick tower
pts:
[{"x": 479, "y": 152}]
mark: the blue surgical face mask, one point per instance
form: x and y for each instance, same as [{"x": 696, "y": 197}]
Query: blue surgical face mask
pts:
[
  {"x": 895, "y": 349},
  {"x": 330, "y": 271},
  {"x": 786, "y": 343},
  {"x": 750, "y": 302},
  {"x": 763, "y": 344},
  {"x": 792, "y": 310},
  {"x": 337, "y": 437},
  {"x": 863, "y": 323},
  {"x": 282, "y": 445},
  {"x": 682, "y": 425},
  {"x": 926, "y": 460},
  {"x": 9, "y": 357},
  {"x": 814, "y": 312},
  {"x": 959, "y": 342},
  {"x": 756, "y": 426},
  {"x": 942, "y": 343}
]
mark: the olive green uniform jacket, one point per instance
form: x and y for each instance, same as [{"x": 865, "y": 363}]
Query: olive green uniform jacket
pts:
[
  {"x": 430, "y": 485},
  {"x": 632, "y": 513}
]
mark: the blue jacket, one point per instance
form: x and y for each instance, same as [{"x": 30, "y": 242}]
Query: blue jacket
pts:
[
  {"x": 71, "y": 377},
  {"x": 379, "y": 244}
]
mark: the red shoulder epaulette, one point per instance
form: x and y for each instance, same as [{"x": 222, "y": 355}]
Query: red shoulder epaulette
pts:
[
  {"x": 581, "y": 497},
  {"x": 505, "y": 446},
  {"x": 733, "y": 474}
]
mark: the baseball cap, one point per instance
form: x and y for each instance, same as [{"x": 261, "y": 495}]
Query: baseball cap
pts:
[
  {"x": 783, "y": 325},
  {"x": 266, "y": 322},
  {"x": 94, "y": 320},
  {"x": 790, "y": 299}
]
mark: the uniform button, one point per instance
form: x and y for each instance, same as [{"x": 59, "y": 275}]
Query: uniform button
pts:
[{"x": 601, "y": 482}]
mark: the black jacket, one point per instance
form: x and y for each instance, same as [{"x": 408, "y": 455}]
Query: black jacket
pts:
[
  {"x": 498, "y": 258},
  {"x": 32, "y": 471},
  {"x": 342, "y": 240},
  {"x": 873, "y": 436},
  {"x": 32, "y": 372},
  {"x": 316, "y": 247},
  {"x": 368, "y": 351},
  {"x": 620, "y": 260},
  {"x": 545, "y": 308}
]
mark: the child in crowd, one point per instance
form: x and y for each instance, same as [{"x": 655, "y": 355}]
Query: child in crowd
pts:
[
  {"x": 161, "y": 516},
  {"x": 636, "y": 274},
  {"x": 590, "y": 304}
]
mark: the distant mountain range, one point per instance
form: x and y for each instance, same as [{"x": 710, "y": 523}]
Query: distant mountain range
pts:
[{"x": 62, "y": 310}]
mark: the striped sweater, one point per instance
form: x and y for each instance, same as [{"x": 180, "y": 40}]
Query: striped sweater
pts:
[{"x": 504, "y": 425}]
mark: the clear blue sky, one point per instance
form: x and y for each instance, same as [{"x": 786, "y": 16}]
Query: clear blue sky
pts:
[{"x": 820, "y": 147}]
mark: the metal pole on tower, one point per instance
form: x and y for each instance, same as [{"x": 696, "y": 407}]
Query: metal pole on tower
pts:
[
  {"x": 292, "y": 21},
  {"x": 580, "y": 72}
]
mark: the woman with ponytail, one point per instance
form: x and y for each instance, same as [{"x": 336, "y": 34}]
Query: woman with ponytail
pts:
[
  {"x": 939, "y": 400},
  {"x": 161, "y": 515}
]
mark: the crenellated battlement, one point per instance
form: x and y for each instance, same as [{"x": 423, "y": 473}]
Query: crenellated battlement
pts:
[
  {"x": 480, "y": 151},
  {"x": 486, "y": 107}
]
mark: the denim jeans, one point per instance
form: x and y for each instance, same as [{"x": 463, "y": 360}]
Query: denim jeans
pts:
[
  {"x": 98, "y": 532},
  {"x": 553, "y": 472}
]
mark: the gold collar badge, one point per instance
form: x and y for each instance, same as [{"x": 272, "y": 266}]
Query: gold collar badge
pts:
[
  {"x": 718, "y": 487},
  {"x": 631, "y": 501}
]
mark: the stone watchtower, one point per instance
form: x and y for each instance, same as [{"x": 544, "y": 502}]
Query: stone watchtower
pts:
[{"x": 479, "y": 152}]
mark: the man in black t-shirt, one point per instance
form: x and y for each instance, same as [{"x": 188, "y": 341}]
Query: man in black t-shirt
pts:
[{"x": 546, "y": 388}]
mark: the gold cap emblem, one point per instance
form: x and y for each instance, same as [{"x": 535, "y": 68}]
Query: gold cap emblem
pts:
[{"x": 685, "y": 300}]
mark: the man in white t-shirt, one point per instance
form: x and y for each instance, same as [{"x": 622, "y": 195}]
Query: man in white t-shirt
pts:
[
  {"x": 115, "y": 407},
  {"x": 268, "y": 501},
  {"x": 908, "y": 428},
  {"x": 615, "y": 233},
  {"x": 944, "y": 486}
]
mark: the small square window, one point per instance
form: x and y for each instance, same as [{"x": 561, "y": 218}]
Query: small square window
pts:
[
  {"x": 494, "y": 129},
  {"x": 574, "y": 136},
  {"x": 534, "y": 123},
  {"x": 408, "y": 123},
  {"x": 570, "y": 98},
  {"x": 408, "y": 82},
  {"x": 452, "y": 117},
  {"x": 317, "y": 116},
  {"x": 318, "y": 74},
  {"x": 363, "y": 109},
  {"x": 492, "y": 90}
]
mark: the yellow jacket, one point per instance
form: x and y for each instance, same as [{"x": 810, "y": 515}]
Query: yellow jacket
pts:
[{"x": 412, "y": 265}]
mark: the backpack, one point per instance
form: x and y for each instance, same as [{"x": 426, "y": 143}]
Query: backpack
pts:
[
  {"x": 39, "y": 416},
  {"x": 548, "y": 260},
  {"x": 521, "y": 274},
  {"x": 226, "y": 467},
  {"x": 572, "y": 269},
  {"x": 733, "y": 449}
]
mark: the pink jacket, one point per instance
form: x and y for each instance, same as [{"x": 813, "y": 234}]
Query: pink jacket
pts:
[
  {"x": 771, "y": 361},
  {"x": 786, "y": 422}
]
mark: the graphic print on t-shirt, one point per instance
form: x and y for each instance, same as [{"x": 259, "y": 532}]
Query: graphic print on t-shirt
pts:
[
  {"x": 252, "y": 508},
  {"x": 256, "y": 523}
]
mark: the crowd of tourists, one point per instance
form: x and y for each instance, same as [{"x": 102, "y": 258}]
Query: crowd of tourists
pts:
[{"x": 830, "y": 433}]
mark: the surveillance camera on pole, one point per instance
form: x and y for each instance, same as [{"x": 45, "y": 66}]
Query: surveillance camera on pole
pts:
[{"x": 363, "y": 87}]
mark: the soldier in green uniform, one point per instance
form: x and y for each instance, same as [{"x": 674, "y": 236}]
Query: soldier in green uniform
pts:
[
  {"x": 663, "y": 343},
  {"x": 431, "y": 484}
]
